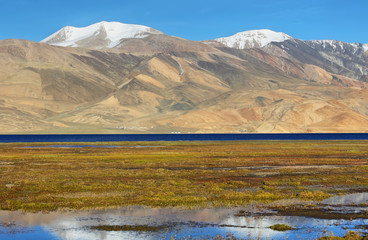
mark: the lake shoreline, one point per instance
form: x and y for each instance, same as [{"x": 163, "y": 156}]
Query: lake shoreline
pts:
[{"x": 8, "y": 138}]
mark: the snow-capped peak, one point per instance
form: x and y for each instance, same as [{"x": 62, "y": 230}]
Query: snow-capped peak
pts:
[
  {"x": 98, "y": 35},
  {"x": 254, "y": 38}
]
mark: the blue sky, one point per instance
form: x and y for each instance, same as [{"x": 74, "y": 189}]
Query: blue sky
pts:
[{"x": 191, "y": 19}]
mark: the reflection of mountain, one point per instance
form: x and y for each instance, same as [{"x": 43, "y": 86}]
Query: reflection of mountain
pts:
[
  {"x": 354, "y": 198},
  {"x": 117, "y": 76},
  {"x": 132, "y": 215}
]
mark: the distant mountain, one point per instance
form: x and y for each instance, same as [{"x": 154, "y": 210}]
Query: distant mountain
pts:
[
  {"x": 99, "y": 35},
  {"x": 129, "y": 38},
  {"x": 113, "y": 80},
  {"x": 253, "y": 39},
  {"x": 346, "y": 59}
]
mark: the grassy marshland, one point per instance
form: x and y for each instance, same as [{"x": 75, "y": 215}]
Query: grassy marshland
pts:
[
  {"x": 281, "y": 227},
  {"x": 187, "y": 174}
]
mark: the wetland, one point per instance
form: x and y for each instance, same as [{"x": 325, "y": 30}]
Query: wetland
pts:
[{"x": 184, "y": 189}]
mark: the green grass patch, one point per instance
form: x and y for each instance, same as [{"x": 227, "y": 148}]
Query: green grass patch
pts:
[{"x": 281, "y": 227}]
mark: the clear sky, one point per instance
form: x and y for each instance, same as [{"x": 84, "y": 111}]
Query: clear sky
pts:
[{"x": 191, "y": 19}]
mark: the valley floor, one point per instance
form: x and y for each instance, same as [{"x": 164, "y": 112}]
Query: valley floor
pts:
[{"x": 254, "y": 188}]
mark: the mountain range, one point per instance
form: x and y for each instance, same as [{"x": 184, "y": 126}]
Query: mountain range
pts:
[{"x": 112, "y": 77}]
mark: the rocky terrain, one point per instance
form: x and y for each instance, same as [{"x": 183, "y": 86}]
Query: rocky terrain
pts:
[{"x": 119, "y": 78}]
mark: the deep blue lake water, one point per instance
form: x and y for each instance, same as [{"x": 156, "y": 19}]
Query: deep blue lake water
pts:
[{"x": 181, "y": 137}]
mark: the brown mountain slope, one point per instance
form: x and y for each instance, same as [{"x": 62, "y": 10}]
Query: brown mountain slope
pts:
[
  {"x": 177, "y": 85},
  {"x": 277, "y": 111},
  {"x": 161, "y": 44},
  {"x": 345, "y": 59}
]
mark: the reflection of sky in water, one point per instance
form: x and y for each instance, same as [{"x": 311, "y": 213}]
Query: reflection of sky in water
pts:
[
  {"x": 355, "y": 198},
  {"x": 197, "y": 223},
  {"x": 27, "y": 233}
]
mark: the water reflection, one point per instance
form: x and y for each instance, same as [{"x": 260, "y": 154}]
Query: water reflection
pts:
[
  {"x": 354, "y": 198},
  {"x": 177, "y": 222}
]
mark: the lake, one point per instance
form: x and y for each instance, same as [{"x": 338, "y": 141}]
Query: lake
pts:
[{"x": 180, "y": 137}]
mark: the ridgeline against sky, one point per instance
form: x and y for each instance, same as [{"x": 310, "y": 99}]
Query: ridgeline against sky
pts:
[{"x": 194, "y": 20}]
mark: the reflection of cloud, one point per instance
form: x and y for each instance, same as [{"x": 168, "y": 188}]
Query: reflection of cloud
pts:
[
  {"x": 75, "y": 225},
  {"x": 73, "y": 231},
  {"x": 197, "y": 223}
]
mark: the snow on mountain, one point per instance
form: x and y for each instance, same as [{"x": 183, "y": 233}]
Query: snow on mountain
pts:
[
  {"x": 254, "y": 38},
  {"x": 365, "y": 46},
  {"x": 103, "y": 34},
  {"x": 335, "y": 44},
  {"x": 338, "y": 47}
]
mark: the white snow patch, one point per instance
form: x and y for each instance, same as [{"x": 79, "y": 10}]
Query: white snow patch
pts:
[
  {"x": 335, "y": 44},
  {"x": 365, "y": 47},
  {"x": 115, "y": 32},
  {"x": 326, "y": 43},
  {"x": 254, "y": 38}
]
